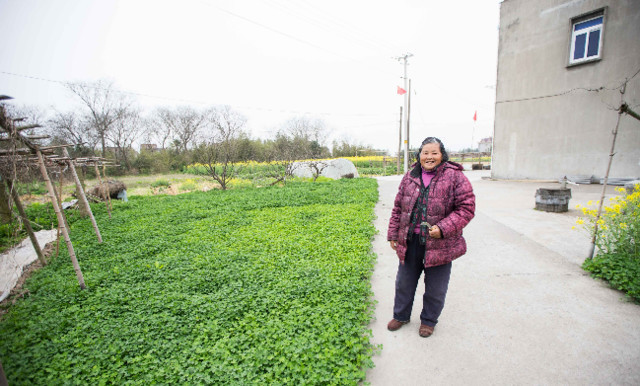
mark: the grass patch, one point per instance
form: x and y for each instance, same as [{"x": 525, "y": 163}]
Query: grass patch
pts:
[{"x": 247, "y": 286}]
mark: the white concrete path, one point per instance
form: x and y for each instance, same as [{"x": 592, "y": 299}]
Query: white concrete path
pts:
[
  {"x": 520, "y": 310},
  {"x": 12, "y": 262}
]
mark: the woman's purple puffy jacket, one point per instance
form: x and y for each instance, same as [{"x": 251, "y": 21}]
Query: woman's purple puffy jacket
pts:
[{"x": 450, "y": 206}]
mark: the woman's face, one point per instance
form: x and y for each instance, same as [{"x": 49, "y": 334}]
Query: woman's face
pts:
[{"x": 430, "y": 156}]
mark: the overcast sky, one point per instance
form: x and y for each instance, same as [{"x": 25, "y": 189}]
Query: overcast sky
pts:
[{"x": 270, "y": 59}]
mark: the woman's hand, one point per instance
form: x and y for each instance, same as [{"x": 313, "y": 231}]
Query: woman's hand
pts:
[
  {"x": 434, "y": 232},
  {"x": 394, "y": 244}
]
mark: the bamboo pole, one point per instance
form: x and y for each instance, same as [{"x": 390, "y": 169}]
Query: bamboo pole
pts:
[
  {"x": 625, "y": 109},
  {"x": 102, "y": 189},
  {"x": 59, "y": 225},
  {"x": 3, "y": 377},
  {"x": 104, "y": 172},
  {"x": 60, "y": 217},
  {"x": 82, "y": 197},
  {"x": 25, "y": 221},
  {"x": 606, "y": 176},
  {"x": 58, "y": 197}
]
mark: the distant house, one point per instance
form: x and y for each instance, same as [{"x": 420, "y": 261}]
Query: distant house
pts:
[
  {"x": 560, "y": 67},
  {"x": 484, "y": 146}
]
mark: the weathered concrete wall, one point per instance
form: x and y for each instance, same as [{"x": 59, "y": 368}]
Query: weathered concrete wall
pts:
[{"x": 567, "y": 134}]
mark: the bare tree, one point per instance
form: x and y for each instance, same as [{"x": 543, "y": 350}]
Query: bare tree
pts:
[
  {"x": 183, "y": 124},
  {"x": 29, "y": 114},
  {"x": 124, "y": 132},
  {"x": 69, "y": 127},
  {"x": 158, "y": 131},
  {"x": 306, "y": 128},
  {"x": 317, "y": 167},
  {"x": 281, "y": 157},
  {"x": 105, "y": 106},
  {"x": 306, "y": 136},
  {"x": 220, "y": 154}
]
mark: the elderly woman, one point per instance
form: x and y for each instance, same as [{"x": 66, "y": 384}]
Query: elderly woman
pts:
[{"x": 434, "y": 202}]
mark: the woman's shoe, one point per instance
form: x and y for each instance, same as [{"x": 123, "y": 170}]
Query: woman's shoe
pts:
[
  {"x": 425, "y": 331},
  {"x": 395, "y": 324}
]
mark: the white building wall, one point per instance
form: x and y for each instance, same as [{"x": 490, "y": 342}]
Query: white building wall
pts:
[{"x": 546, "y": 124}]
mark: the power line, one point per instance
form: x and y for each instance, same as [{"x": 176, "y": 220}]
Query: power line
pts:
[
  {"x": 289, "y": 36},
  {"x": 571, "y": 91},
  {"x": 550, "y": 95},
  {"x": 330, "y": 23},
  {"x": 64, "y": 83},
  {"x": 192, "y": 101}
]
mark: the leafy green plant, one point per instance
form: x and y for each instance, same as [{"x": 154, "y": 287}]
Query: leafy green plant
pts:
[
  {"x": 618, "y": 242},
  {"x": 160, "y": 184},
  {"x": 246, "y": 286},
  {"x": 240, "y": 183},
  {"x": 34, "y": 187},
  {"x": 188, "y": 185}
]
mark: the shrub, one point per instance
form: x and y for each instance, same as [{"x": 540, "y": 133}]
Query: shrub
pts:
[
  {"x": 162, "y": 184},
  {"x": 188, "y": 185},
  {"x": 240, "y": 183},
  {"x": 618, "y": 242}
]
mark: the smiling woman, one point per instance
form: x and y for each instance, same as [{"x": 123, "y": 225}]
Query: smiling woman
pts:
[
  {"x": 430, "y": 156},
  {"x": 434, "y": 202}
]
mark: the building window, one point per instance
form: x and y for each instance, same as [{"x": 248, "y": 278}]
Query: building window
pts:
[{"x": 586, "y": 38}]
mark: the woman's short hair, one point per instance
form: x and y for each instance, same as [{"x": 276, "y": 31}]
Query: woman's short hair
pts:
[{"x": 445, "y": 155}]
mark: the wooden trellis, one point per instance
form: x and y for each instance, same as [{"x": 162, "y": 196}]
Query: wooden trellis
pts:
[{"x": 45, "y": 159}]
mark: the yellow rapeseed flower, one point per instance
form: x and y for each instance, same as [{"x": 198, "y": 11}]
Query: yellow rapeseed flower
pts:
[{"x": 579, "y": 221}]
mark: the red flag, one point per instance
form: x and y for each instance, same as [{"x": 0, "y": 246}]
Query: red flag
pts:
[
  {"x": 475, "y": 116},
  {"x": 401, "y": 91}
]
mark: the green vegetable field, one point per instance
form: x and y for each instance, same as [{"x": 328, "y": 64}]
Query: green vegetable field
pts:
[{"x": 247, "y": 286}]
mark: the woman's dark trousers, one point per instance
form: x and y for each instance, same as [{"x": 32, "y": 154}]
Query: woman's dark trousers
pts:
[{"x": 436, "y": 282}]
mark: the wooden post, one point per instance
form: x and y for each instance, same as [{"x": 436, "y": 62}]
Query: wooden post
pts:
[
  {"x": 58, "y": 233},
  {"x": 3, "y": 378},
  {"x": 59, "y": 215},
  {"x": 606, "y": 176},
  {"x": 103, "y": 190},
  {"x": 5, "y": 207},
  {"x": 104, "y": 173},
  {"x": 83, "y": 168},
  {"x": 59, "y": 201},
  {"x": 82, "y": 197},
  {"x": 59, "y": 196},
  {"x": 625, "y": 109},
  {"x": 25, "y": 221}
]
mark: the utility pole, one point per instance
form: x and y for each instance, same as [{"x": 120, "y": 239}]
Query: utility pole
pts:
[
  {"x": 408, "y": 124},
  {"x": 406, "y": 111},
  {"x": 399, "y": 141}
]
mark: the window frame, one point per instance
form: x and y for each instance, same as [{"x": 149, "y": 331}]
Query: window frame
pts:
[{"x": 599, "y": 13}]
